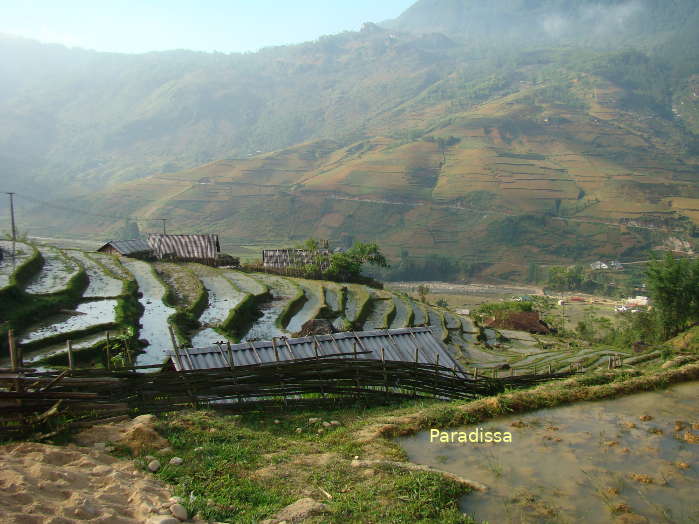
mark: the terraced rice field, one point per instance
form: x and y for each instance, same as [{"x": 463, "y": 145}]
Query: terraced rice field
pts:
[
  {"x": 86, "y": 316},
  {"x": 154, "y": 320},
  {"x": 223, "y": 296},
  {"x": 315, "y": 300},
  {"x": 403, "y": 311},
  {"x": 381, "y": 309},
  {"x": 275, "y": 306},
  {"x": 16, "y": 253},
  {"x": 101, "y": 285},
  {"x": 55, "y": 274}
]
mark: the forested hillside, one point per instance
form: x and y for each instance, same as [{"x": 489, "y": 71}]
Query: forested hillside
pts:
[{"x": 507, "y": 132}]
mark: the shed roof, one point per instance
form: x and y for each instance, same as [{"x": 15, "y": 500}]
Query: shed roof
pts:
[
  {"x": 192, "y": 247},
  {"x": 398, "y": 344},
  {"x": 128, "y": 247}
]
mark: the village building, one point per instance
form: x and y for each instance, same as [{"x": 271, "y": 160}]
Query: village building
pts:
[
  {"x": 203, "y": 248},
  {"x": 295, "y": 258},
  {"x": 136, "y": 248},
  {"x": 598, "y": 265}
]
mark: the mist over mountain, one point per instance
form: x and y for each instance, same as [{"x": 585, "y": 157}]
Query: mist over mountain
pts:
[{"x": 421, "y": 111}]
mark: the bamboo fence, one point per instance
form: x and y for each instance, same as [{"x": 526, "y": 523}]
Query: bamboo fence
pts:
[{"x": 32, "y": 401}]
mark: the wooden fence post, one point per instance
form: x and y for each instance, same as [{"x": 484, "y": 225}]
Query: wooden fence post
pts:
[
  {"x": 69, "y": 347},
  {"x": 385, "y": 377},
  {"x": 13, "y": 349}
]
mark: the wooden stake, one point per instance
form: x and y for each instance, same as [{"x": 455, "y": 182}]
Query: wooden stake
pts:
[
  {"x": 69, "y": 346},
  {"x": 13, "y": 354}
]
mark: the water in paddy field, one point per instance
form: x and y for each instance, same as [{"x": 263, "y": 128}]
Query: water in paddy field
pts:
[
  {"x": 86, "y": 315},
  {"x": 154, "y": 319},
  {"x": 222, "y": 297},
  {"x": 307, "y": 311},
  {"x": 590, "y": 462},
  {"x": 54, "y": 275},
  {"x": 265, "y": 327},
  {"x": 401, "y": 318},
  {"x": 101, "y": 284},
  {"x": 15, "y": 254}
]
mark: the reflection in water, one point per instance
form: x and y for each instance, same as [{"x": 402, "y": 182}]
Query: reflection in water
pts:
[
  {"x": 86, "y": 315},
  {"x": 588, "y": 462},
  {"x": 154, "y": 319}
]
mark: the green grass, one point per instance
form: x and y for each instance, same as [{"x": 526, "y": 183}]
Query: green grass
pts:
[{"x": 227, "y": 476}]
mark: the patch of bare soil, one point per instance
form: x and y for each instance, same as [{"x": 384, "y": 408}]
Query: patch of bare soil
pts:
[
  {"x": 137, "y": 434},
  {"x": 46, "y": 484}
]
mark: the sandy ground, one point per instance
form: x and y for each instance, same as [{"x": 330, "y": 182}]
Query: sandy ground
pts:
[{"x": 40, "y": 483}]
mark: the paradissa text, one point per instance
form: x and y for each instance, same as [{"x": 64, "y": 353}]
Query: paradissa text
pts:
[{"x": 477, "y": 436}]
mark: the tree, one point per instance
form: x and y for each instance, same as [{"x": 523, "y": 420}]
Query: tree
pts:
[
  {"x": 347, "y": 266},
  {"x": 674, "y": 288},
  {"x": 423, "y": 291}
]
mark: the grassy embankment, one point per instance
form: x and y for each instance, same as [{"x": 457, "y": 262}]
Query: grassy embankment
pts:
[{"x": 242, "y": 468}]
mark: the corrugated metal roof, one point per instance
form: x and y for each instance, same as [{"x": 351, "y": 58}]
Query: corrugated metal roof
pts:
[
  {"x": 398, "y": 345},
  {"x": 128, "y": 247},
  {"x": 186, "y": 247}
]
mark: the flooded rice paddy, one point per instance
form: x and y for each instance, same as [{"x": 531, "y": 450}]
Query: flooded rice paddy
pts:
[
  {"x": 246, "y": 283},
  {"x": 380, "y": 307},
  {"x": 86, "y": 315},
  {"x": 55, "y": 274},
  {"x": 307, "y": 311},
  {"x": 402, "y": 313},
  {"x": 154, "y": 324},
  {"x": 223, "y": 296},
  {"x": 101, "y": 284},
  {"x": 112, "y": 264},
  {"x": 15, "y": 254},
  {"x": 631, "y": 459},
  {"x": 78, "y": 343},
  {"x": 265, "y": 327}
]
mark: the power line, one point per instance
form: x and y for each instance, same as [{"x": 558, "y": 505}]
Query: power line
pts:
[{"x": 80, "y": 211}]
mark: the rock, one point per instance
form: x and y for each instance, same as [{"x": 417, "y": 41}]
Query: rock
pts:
[
  {"x": 645, "y": 418},
  {"x": 313, "y": 420},
  {"x": 165, "y": 451},
  {"x": 178, "y": 511},
  {"x": 162, "y": 519},
  {"x": 148, "y": 458},
  {"x": 682, "y": 465},
  {"x": 356, "y": 457},
  {"x": 299, "y": 511},
  {"x": 100, "y": 445},
  {"x": 298, "y": 430},
  {"x": 176, "y": 461},
  {"x": 335, "y": 423},
  {"x": 690, "y": 437},
  {"x": 277, "y": 421},
  {"x": 101, "y": 470},
  {"x": 154, "y": 465},
  {"x": 326, "y": 424}
]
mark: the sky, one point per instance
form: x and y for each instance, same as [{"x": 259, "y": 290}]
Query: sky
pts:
[{"x": 133, "y": 26}]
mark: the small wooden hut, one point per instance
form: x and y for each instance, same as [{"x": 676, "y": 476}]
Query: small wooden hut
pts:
[
  {"x": 137, "y": 248},
  {"x": 185, "y": 248}
]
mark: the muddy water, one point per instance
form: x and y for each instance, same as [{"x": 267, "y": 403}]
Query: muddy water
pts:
[
  {"x": 377, "y": 317},
  {"x": 154, "y": 319},
  {"x": 589, "y": 462}
]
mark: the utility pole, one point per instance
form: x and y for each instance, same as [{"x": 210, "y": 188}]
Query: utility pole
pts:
[
  {"x": 163, "y": 220},
  {"x": 12, "y": 216}
]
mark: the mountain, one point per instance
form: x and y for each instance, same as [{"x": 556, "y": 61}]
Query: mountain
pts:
[{"x": 446, "y": 131}]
